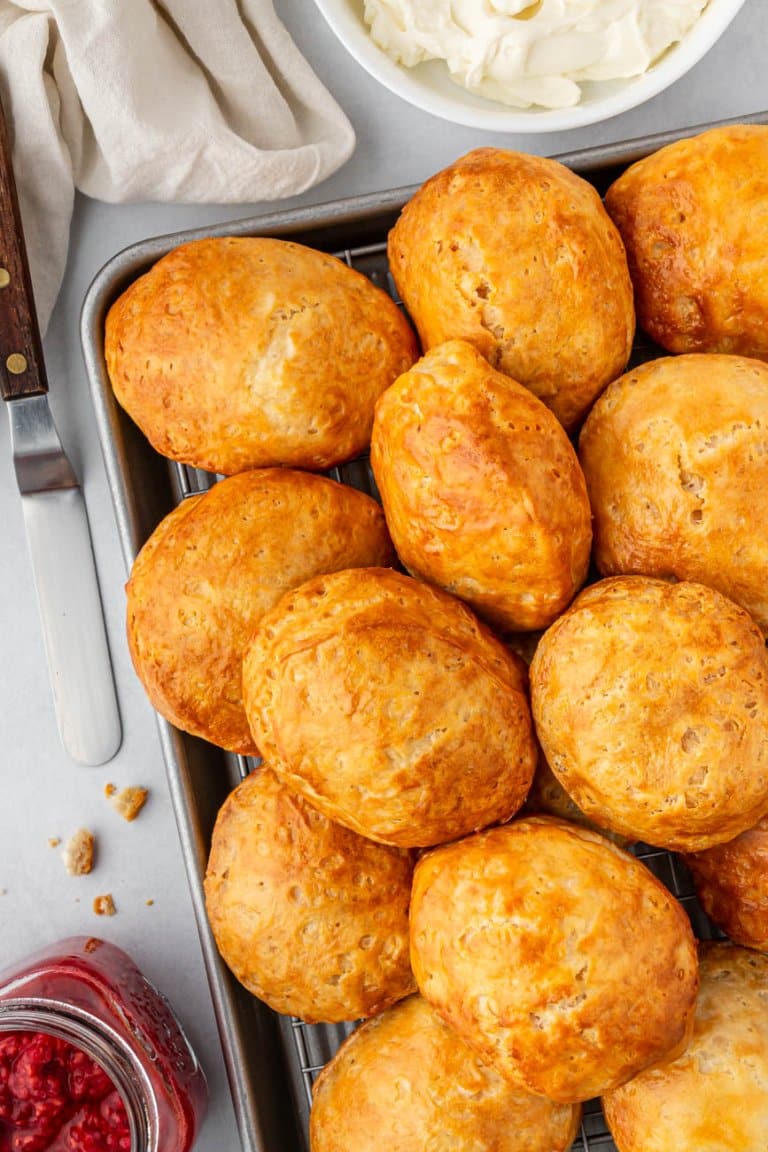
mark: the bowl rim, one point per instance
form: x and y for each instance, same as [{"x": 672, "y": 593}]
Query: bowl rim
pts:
[{"x": 495, "y": 117}]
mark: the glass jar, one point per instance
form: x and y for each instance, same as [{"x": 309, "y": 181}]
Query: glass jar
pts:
[{"x": 89, "y": 994}]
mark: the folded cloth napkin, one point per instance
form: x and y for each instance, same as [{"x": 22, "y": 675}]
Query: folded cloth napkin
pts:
[{"x": 186, "y": 100}]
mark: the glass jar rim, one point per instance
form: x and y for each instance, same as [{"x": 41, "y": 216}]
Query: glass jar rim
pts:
[{"x": 103, "y": 1045}]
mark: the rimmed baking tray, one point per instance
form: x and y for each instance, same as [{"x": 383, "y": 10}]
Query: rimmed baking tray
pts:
[{"x": 272, "y": 1061}]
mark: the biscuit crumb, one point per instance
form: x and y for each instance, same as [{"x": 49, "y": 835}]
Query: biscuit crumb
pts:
[
  {"x": 150, "y": 903},
  {"x": 109, "y": 790},
  {"x": 104, "y": 905},
  {"x": 54, "y": 841},
  {"x": 78, "y": 853},
  {"x": 3, "y": 891},
  {"x": 129, "y": 801}
]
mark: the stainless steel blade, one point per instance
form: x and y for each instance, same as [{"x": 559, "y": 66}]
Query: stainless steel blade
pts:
[{"x": 67, "y": 589}]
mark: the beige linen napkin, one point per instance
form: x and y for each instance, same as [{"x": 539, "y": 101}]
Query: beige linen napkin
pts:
[{"x": 187, "y": 100}]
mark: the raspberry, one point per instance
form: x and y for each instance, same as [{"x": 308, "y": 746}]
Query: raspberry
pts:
[
  {"x": 113, "y": 1112},
  {"x": 86, "y": 1080},
  {"x": 54, "y": 1096},
  {"x": 91, "y": 1133},
  {"x": 10, "y": 1046}
]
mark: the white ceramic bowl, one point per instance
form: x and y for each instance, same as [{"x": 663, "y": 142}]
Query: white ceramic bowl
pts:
[{"x": 428, "y": 86}]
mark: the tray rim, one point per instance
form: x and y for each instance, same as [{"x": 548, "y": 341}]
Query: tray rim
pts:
[{"x": 117, "y": 271}]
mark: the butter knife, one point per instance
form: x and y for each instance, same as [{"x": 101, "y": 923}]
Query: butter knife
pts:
[{"x": 54, "y": 510}]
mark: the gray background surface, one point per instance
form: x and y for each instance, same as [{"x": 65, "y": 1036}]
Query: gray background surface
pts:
[{"x": 43, "y": 793}]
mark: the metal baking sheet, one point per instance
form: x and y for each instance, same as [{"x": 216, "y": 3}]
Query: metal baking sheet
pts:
[{"x": 272, "y": 1061}]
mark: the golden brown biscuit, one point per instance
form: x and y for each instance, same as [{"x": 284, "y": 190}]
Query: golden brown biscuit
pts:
[
  {"x": 406, "y": 1082},
  {"x": 215, "y": 565},
  {"x": 310, "y": 917},
  {"x": 676, "y": 459},
  {"x": 732, "y": 884},
  {"x": 714, "y": 1097},
  {"x": 517, "y": 255},
  {"x": 651, "y": 704},
  {"x": 547, "y": 797},
  {"x": 235, "y": 353},
  {"x": 560, "y": 958},
  {"x": 694, "y": 219},
  {"x": 482, "y": 489},
  {"x": 390, "y": 707}
]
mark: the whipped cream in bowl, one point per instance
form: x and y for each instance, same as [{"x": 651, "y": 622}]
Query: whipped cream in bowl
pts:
[
  {"x": 524, "y": 53},
  {"x": 527, "y": 65}
]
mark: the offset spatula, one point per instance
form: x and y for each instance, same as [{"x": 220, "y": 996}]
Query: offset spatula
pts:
[{"x": 54, "y": 509}]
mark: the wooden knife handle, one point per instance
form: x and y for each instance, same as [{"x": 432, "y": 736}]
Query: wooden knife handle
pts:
[{"x": 22, "y": 371}]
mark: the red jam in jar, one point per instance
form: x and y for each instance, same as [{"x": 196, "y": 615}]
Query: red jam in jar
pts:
[
  {"x": 55, "y": 1098},
  {"x": 92, "y": 1057}
]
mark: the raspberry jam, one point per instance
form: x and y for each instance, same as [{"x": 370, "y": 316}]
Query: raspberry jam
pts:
[
  {"x": 55, "y": 1098},
  {"x": 92, "y": 1057}
]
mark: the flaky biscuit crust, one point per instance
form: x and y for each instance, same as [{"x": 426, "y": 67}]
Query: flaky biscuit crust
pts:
[
  {"x": 557, "y": 956},
  {"x": 694, "y": 219},
  {"x": 390, "y": 707},
  {"x": 714, "y": 1097},
  {"x": 310, "y": 917},
  {"x": 732, "y": 884},
  {"x": 215, "y": 565},
  {"x": 405, "y": 1081},
  {"x": 482, "y": 489},
  {"x": 516, "y": 255},
  {"x": 547, "y": 797},
  {"x": 651, "y": 704},
  {"x": 241, "y": 352},
  {"x": 676, "y": 459}
]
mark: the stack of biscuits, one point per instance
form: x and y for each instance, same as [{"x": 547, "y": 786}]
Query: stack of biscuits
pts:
[{"x": 472, "y": 699}]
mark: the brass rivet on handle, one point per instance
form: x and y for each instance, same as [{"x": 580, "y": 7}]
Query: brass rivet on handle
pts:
[
  {"x": 5, "y": 277},
  {"x": 16, "y": 363}
]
